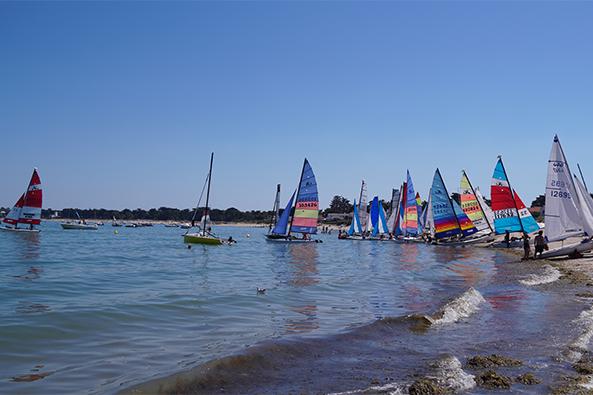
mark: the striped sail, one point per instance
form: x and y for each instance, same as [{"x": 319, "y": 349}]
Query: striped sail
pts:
[
  {"x": 355, "y": 226},
  {"x": 485, "y": 208},
  {"x": 27, "y": 210},
  {"x": 466, "y": 224},
  {"x": 506, "y": 215},
  {"x": 306, "y": 211},
  {"x": 527, "y": 221},
  {"x": 411, "y": 211},
  {"x": 562, "y": 215},
  {"x": 443, "y": 215},
  {"x": 470, "y": 205}
]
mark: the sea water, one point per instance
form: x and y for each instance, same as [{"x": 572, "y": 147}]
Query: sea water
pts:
[{"x": 99, "y": 311}]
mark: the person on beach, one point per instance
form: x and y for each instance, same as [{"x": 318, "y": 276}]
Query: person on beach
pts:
[
  {"x": 540, "y": 244},
  {"x": 507, "y": 238},
  {"x": 526, "y": 246}
]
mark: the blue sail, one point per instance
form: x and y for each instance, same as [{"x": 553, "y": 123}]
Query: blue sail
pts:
[
  {"x": 445, "y": 222},
  {"x": 355, "y": 225},
  {"x": 375, "y": 215},
  {"x": 382, "y": 220},
  {"x": 306, "y": 210},
  {"x": 282, "y": 224},
  {"x": 466, "y": 225}
]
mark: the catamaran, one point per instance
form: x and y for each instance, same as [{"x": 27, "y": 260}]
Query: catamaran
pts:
[
  {"x": 473, "y": 206},
  {"x": 306, "y": 212},
  {"x": 569, "y": 207},
  {"x": 204, "y": 234},
  {"x": 81, "y": 224},
  {"x": 510, "y": 214},
  {"x": 27, "y": 209}
]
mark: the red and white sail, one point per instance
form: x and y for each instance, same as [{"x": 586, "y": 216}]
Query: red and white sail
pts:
[{"x": 27, "y": 209}]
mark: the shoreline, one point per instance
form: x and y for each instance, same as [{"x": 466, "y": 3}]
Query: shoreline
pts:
[{"x": 575, "y": 278}]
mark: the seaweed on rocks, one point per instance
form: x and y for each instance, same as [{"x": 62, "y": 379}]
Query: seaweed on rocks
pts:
[
  {"x": 492, "y": 380},
  {"x": 490, "y": 361},
  {"x": 426, "y": 386},
  {"x": 527, "y": 379},
  {"x": 572, "y": 385}
]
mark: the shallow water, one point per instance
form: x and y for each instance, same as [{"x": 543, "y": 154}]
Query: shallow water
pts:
[{"x": 103, "y": 311}]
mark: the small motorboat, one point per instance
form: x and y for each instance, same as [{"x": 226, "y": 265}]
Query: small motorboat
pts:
[{"x": 79, "y": 226}]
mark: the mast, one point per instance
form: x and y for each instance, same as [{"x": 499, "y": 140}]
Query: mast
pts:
[
  {"x": 276, "y": 207},
  {"x": 297, "y": 195},
  {"x": 207, "y": 194},
  {"x": 582, "y": 178},
  {"x": 512, "y": 193},
  {"x": 449, "y": 200},
  {"x": 479, "y": 204}
]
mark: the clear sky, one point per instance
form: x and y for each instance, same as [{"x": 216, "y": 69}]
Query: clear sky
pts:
[{"x": 120, "y": 104}]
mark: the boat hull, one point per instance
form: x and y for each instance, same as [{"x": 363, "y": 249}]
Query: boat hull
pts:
[
  {"x": 583, "y": 246},
  {"x": 288, "y": 239},
  {"x": 194, "y": 238},
  {"x": 79, "y": 227},
  {"x": 20, "y": 230}
]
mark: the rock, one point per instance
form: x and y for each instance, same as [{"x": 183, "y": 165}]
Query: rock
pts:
[
  {"x": 587, "y": 294},
  {"x": 490, "y": 361},
  {"x": 582, "y": 367},
  {"x": 426, "y": 386},
  {"x": 492, "y": 380},
  {"x": 527, "y": 379}
]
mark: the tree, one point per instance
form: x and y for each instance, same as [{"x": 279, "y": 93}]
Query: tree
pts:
[
  {"x": 539, "y": 201},
  {"x": 340, "y": 205}
]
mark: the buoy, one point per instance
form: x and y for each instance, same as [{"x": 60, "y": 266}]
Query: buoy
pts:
[
  {"x": 248, "y": 235},
  {"x": 115, "y": 232}
]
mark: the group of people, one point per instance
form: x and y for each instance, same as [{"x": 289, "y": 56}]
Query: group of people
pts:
[{"x": 539, "y": 242}]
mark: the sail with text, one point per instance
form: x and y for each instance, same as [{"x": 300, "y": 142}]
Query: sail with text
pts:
[
  {"x": 485, "y": 207},
  {"x": 506, "y": 215},
  {"x": 471, "y": 206},
  {"x": 527, "y": 221},
  {"x": 410, "y": 227},
  {"x": 562, "y": 214},
  {"x": 306, "y": 210},
  {"x": 282, "y": 224},
  {"x": 466, "y": 224},
  {"x": 27, "y": 209},
  {"x": 443, "y": 214},
  {"x": 355, "y": 226}
]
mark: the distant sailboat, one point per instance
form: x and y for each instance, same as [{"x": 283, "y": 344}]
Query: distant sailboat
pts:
[
  {"x": 355, "y": 227},
  {"x": 410, "y": 224},
  {"x": 204, "y": 235},
  {"x": 306, "y": 211},
  {"x": 27, "y": 209}
]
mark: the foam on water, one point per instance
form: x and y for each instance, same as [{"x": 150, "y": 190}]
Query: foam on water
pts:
[
  {"x": 463, "y": 306},
  {"x": 584, "y": 325},
  {"x": 549, "y": 275}
]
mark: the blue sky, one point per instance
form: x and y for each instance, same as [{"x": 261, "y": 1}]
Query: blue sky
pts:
[{"x": 120, "y": 104}]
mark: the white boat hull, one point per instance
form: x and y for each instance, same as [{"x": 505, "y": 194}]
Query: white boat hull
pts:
[
  {"x": 20, "y": 230},
  {"x": 79, "y": 226},
  {"x": 583, "y": 246}
]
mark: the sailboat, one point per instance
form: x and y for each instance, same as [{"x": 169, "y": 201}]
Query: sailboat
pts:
[
  {"x": 80, "y": 225},
  {"x": 506, "y": 205},
  {"x": 306, "y": 211},
  {"x": 569, "y": 207},
  {"x": 204, "y": 234},
  {"x": 355, "y": 230},
  {"x": 27, "y": 209},
  {"x": 473, "y": 206}
]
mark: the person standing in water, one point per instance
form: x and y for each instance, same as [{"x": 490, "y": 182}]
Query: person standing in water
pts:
[
  {"x": 526, "y": 246},
  {"x": 507, "y": 238},
  {"x": 540, "y": 244}
]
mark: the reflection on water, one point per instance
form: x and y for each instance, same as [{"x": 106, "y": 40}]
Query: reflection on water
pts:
[
  {"x": 25, "y": 244},
  {"x": 303, "y": 267}
]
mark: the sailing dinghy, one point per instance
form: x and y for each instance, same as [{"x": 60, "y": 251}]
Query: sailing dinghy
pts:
[
  {"x": 306, "y": 212},
  {"x": 569, "y": 207},
  {"x": 27, "y": 210},
  {"x": 204, "y": 234}
]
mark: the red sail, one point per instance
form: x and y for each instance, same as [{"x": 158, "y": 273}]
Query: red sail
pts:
[
  {"x": 31, "y": 211},
  {"x": 13, "y": 216}
]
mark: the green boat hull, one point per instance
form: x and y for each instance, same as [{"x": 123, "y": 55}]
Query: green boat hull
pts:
[{"x": 199, "y": 239}]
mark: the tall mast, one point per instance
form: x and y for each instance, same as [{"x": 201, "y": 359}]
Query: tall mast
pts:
[
  {"x": 479, "y": 204},
  {"x": 208, "y": 194},
  {"x": 512, "y": 193},
  {"x": 297, "y": 196},
  {"x": 582, "y": 178},
  {"x": 276, "y": 207},
  {"x": 449, "y": 200}
]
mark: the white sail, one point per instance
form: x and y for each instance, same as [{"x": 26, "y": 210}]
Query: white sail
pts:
[
  {"x": 393, "y": 210},
  {"x": 362, "y": 204},
  {"x": 586, "y": 207},
  {"x": 429, "y": 224},
  {"x": 487, "y": 210},
  {"x": 562, "y": 217}
]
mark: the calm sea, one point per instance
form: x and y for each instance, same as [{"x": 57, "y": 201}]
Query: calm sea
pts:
[{"x": 101, "y": 311}]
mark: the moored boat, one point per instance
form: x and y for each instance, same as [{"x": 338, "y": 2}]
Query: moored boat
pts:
[{"x": 81, "y": 224}]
